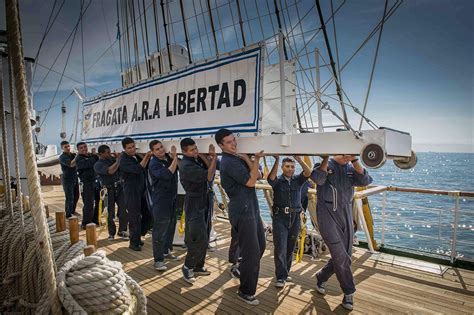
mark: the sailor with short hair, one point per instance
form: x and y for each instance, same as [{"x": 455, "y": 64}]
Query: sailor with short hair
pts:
[
  {"x": 286, "y": 212},
  {"x": 85, "y": 170},
  {"x": 69, "y": 180},
  {"x": 238, "y": 177},
  {"x": 133, "y": 177},
  {"x": 163, "y": 189},
  {"x": 107, "y": 169},
  {"x": 335, "y": 180},
  {"x": 196, "y": 171}
]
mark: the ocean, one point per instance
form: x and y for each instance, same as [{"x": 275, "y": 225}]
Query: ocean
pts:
[{"x": 421, "y": 222}]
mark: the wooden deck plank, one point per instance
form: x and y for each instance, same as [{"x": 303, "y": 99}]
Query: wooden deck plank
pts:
[{"x": 381, "y": 287}]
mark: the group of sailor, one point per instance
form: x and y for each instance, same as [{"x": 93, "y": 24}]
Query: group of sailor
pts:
[{"x": 145, "y": 190}]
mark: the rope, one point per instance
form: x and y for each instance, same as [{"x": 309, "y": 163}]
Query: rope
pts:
[
  {"x": 96, "y": 284},
  {"x": 103, "y": 209},
  {"x": 37, "y": 207},
  {"x": 182, "y": 220},
  {"x": 71, "y": 252},
  {"x": 6, "y": 164},
  {"x": 15, "y": 142},
  {"x": 301, "y": 239}
]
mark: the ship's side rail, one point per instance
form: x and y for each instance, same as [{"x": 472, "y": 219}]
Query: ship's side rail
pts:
[
  {"x": 428, "y": 221},
  {"x": 434, "y": 221}
]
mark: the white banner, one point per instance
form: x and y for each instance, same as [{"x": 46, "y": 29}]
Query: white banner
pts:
[{"x": 196, "y": 101}]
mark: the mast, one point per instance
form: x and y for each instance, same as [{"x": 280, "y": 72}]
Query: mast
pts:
[
  {"x": 212, "y": 27},
  {"x": 280, "y": 28},
  {"x": 135, "y": 40},
  {"x": 162, "y": 3},
  {"x": 157, "y": 31},
  {"x": 119, "y": 37},
  {"x": 331, "y": 60},
  {"x": 241, "y": 23},
  {"x": 148, "y": 68},
  {"x": 185, "y": 30}
]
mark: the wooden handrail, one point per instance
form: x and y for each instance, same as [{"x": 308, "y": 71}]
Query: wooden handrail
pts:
[
  {"x": 374, "y": 189},
  {"x": 432, "y": 191},
  {"x": 369, "y": 191}
]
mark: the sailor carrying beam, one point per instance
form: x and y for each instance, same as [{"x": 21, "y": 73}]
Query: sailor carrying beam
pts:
[
  {"x": 335, "y": 181},
  {"x": 286, "y": 210},
  {"x": 163, "y": 190},
  {"x": 196, "y": 171},
  {"x": 107, "y": 169},
  {"x": 238, "y": 177}
]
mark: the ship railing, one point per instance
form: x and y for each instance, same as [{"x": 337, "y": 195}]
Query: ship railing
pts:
[
  {"x": 385, "y": 207},
  {"x": 446, "y": 218}
]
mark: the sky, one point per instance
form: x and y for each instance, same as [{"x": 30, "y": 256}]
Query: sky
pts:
[{"x": 423, "y": 80}]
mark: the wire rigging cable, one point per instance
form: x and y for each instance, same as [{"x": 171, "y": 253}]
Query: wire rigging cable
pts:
[
  {"x": 82, "y": 52},
  {"x": 373, "y": 64},
  {"x": 64, "y": 45},
  {"x": 119, "y": 36},
  {"x": 108, "y": 35},
  {"x": 66, "y": 64},
  {"x": 46, "y": 31},
  {"x": 331, "y": 60}
]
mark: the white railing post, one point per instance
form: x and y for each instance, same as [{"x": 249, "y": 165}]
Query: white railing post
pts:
[
  {"x": 455, "y": 227},
  {"x": 384, "y": 202}
]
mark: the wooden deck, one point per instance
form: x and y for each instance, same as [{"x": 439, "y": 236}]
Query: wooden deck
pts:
[{"x": 381, "y": 286}]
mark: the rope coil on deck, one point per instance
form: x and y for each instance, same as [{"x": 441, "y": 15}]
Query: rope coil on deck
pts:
[{"x": 94, "y": 284}]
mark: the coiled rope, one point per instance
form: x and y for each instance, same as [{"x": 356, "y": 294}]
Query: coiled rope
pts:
[{"x": 94, "y": 284}]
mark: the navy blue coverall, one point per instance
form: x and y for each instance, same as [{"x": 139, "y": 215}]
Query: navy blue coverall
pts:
[
  {"x": 69, "y": 182},
  {"x": 335, "y": 190},
  {"x": 85, "y": 171},
  {"x": 164, "y": 190},
  {"x": 286, "y": 220},
  {"x": 193, "y": 177},
  {"x": 114, "y": 195},
  {"x": 133, "y": 179},
  {"x": 244, "y": 216}
]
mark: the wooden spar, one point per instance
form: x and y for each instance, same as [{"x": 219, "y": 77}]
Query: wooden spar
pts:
[
  {"x": 186, "y": 36},
  {"x": 432, "y": 191},
  {"x": 162, "y": 3},
  {"x": 212, "y": 27}
]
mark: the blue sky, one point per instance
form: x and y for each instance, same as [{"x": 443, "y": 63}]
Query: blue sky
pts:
[{"x": 423, "y": 81}]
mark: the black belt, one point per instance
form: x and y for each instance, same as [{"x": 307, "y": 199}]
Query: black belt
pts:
[{"x": 285, "y": 210}]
